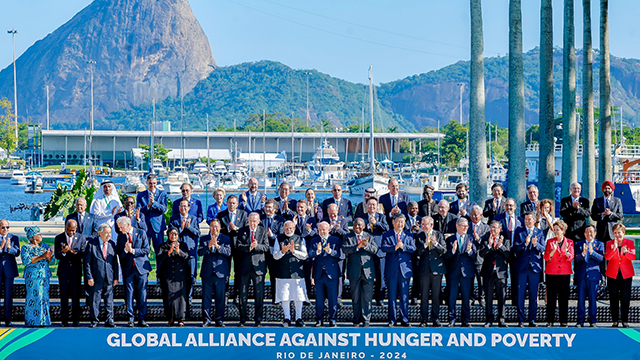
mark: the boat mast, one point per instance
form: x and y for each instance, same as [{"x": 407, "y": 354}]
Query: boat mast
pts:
[
  {"x": 208, "y": 152},
  {"x": 151, "y": 136},
  {"x": 371, "y": 139},
  {"x": 362, "y": 140},
  {"x": 264, "y": 149}
]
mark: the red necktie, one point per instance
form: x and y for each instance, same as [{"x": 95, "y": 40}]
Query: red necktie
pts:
[
  {"x": 359, "y": 239},
  {"x": 104, "y": 250},
  {"x": 510, "y": 224},
  {"x": 398, "y": 236},
  {"x": 131, "y": 241},
  {"x": 184, "y": 223},
  {"x": 253, "y": 237},
  {"x": 495, "y": 248}
]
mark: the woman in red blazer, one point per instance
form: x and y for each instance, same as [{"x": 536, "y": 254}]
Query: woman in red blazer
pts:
[
  {"x": 619, "y": 252},
  {"x": 558, "y": 255}
]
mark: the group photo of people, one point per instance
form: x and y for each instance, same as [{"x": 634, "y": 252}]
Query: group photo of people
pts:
[{"x": 390, "y": 251}]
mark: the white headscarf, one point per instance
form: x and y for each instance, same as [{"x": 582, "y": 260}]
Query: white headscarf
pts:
[{"x": 102, "y": 205}]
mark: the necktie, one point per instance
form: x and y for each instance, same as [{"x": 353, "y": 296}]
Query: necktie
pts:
[
  {"x": 70, "y": 241},
  {"x": 80, "y": 222},
  {"x": 359, "y": 239},
  {"x": 495, "y": 248},
  {"x": 429, "y": 239},
  {"x": 104, "y": 250},
  {"x": 184, "y": 222},
  {"x": 395, "y": 200},
  {"x": 587, "y": 256},
  {"x": 606, "y": 203},
  {"x": 253, "y": 201},
  {"x": 269, "y": 223},
  {"x": 510, "y": 224},
  {"x": 253, "y": 236},
  {"x": 397, "y": 238},
  {"x": 324, "y": 243},
  {"x": 233, "y": 217},
  {"x": 129, "y": 235},
  {"x": 460, "y": 243}
]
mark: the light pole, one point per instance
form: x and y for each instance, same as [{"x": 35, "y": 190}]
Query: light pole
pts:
[
  {"x": 91, "y": 64},
  {"x": 13, "y": 33},
  {"x": 461, "y": 85},
  {"x": 307, "y": 73}
]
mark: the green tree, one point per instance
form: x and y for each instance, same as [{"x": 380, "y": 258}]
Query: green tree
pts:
[
  {"x": 454, "y": 144},
  {"x": 7, "y": 129},
  {"x": 159, "y": 152}
]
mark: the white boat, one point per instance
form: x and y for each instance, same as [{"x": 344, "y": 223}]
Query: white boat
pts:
[
  {"x": 158, "y": 168},
  {"x": 326, "y": 164},
  {"x": 34, "y": 183},
  {"x": 133, "y": 185},
  {"x": 199, "y": 168},
  {"x": 18, "y": 178},
  {"x": 174, "y": 182},
  {"x": 357, "y": 186},
  {"x": 219, "y": 168}
]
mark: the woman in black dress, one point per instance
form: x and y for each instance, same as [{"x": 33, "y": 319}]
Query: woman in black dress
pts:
[{"x": 175, "y": 279}]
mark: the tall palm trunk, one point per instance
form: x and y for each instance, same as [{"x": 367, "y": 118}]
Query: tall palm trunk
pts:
[
  {"x": 569, "y": 148},
  {"x": 604, "y": 169},
  {"x": 517, "y": 163},
  {"x": 477, "y": 134},
  {"x": 588, "y": 137},
  {"x": 546, "y": 163}
]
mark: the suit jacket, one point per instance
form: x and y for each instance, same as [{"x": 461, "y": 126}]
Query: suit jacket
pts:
[
  {"x": 495, "y": 256},
  {"x": 190, "y": 234},
  {"x": 194, "y": 210},
  {"x": 481, "y": 230},
  {"x": 326, "y": 262},
  {"x": 252, "y": 260},
  {"x": 427, "y": 208},
  {"x": 575, "y": 218},
  {"x": 461, "y": 263},
  {"x": 529, "y": 255},
  {"x": 139, "y": 260},
  {"x": 154, "y": 215},
  {"x": 359, "y": 261},
  {"x": 403, "y": 201},
  {"x": 528, "y": 206},
  {"x": 301, "y": 227},
  {"x": 617, "y": 261},
  {"x": 69, "y": 264},
  {"x": 8, "y": 265},
  {"x": 287, "y": 214},
  {"x": 588, "y": 266},
  {"x": 376, "y": 230},
  {"x": 277, "y": 227},
  {"x": 89, "y": 227},
  {"x": 560, "y": 263},
  {"x": 505, "y": 226},
  {"x": 446, "y": 225},
  {"x": 345, "y": 209},
  {"x": 142, "y": 224},
  {"x": 604, "y": 226},
  {"x": 96, "y": 267},
  {"x": 455, "y": 207},
  {"x": 398, "y": 262},
  {"x": 215, "y": 262},
  {"x": 342, "y": 230},
  {"x": 431, "y": 261},
  {"x": 251, "y": 204},
  {"x": 225, "y": 219},
  {"x": 489, "y": 212},
  {"x": 407, "y": 224}
]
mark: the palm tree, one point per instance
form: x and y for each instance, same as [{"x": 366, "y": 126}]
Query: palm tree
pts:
[
  {"x": 604, "y": 169},
  {"x": 517, "y": 178},
  {"x": 569, "y": 148},
  {"x": 588, "y": 137},
  {"x": 477, "y": 134},
  {"x": 546, "y": 163}
]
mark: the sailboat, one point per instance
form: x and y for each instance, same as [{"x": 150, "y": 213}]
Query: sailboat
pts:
[{"x": 370, "y": 179}]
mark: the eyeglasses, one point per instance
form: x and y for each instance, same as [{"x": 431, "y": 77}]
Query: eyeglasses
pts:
[
  {"x": 183, "y": 190},
  {"x": 129, "y": 202},
  {"x": 4, "y": 227}
]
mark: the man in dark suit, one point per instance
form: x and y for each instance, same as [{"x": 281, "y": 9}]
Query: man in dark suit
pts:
[
  {"x": 274, "y": 226},
  {"x": 495, "y": 205},
  {"x": 101, "y": 273},
  {"x": 325, "y": 253},
  {"x": 462, "y": 206},
  {"x": 9, "y": 251},
  {"x": 252, "y": 244},
  {"x": 589, "y": 255},
  {"x": 215, "y": 250},
  {"x": 137, "y": 217},
  {"x": 399, "y": 246},
  {"x": 478, "y": 230},
  {"x": 286, "y": 207},
  {"x": 495, "y": 250},
  {"x": 529, "y": 246},
  {"x": 189, "y": 230},
  {"x": 231, "y": 220},
  {"x": 574, "y": 210},
  {"x": 361, "y": 208},
  {"x": 427, "y": 206},
  {"x": 531, "y": 205},
  {"x": 394, "y": 202},
  {"x": 133, "y": 251},
  {"x": 252, "y": 200},
  {"x": 195, "y": 206},
  {"x": 430, "y": 246},
  {"x": 307, "y": 228},
  {"x": 510, "y": 223},
  {"x": 606, "y": 212},
  {"x": 412, "y": 225},
  {"x": 360, "y": 249},
  {"x": 87, "y": 226},
  {"x": 339, "y": 228},
  {"x": 345, "y": 209},
  {"x": 376, "y": 225},
  {"x": 69, "y": 250},
  {"x": 153, "y": 204},
  {"x": 461, "y": 268},
  {"x": 444, "y": 221}
]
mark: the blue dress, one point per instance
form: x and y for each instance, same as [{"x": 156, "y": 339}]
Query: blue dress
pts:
[
  {"x": 36, "y": 276},
  {"x": 213, "y": 210}
]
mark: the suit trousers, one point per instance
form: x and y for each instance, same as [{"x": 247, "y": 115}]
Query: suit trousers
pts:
[
  {"x": 258, "y": 286},
  {"x": 558, "y": 288},
  {"x": 620, "y": 297},
  {"x": 500, "y": 285},
  {"x": 514, "y": 276},
  {"x": 213, "y": 288},
  {"x": 465, "y": 285},
  {"x": 135, "y": 286},
  {"x": 480, "y": 295},
  {"x": 587, "y": 289},
  {"x": 193, "y": 263},
  {"x": 95, "y": 296},
  {"x": 528, "y": 280},
  {"x": 361, "y": 297},
  {"x": 380, "y": 280},
  {"x": 398, "y": 286},
  {"x": 415, "y": 286},
  {"x": 8, "y": 296},
  {"x": 156, "y": 239},
  {"x": 326, "y": 289},
  {"x": 430, "y": 283},
  {"x": 70, "y": 285}
]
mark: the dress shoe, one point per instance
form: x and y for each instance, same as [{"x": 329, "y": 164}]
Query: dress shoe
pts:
[
  {"x": 339, "y": 302},
  {"x": 110, "y": 325},
  {"x": 563, "y": 325},
  {"x": 142, "y": 324},
  {"x": 170, "y": 323},
  {"x": 550, "y": 324},
  {"x": 365, "y": 324},
  {"x": 414, "y": 301},
  {"x": 521, "y": 324},
  {"x": 76, "y": 324},
  {"x": 130, "y": 323},
  {"x": 423, "y": 324},
  {"x": 241, "y": 324},
  {"x": 391, "y": 324},
  {"x": 614, "y": 325},
  {"x": 436, "y": 324},
  {"x": 378, "y": 303},
  {"x": 502, "y": 324},
  {"x": 625, "y": 325},
  {"x": 206, "y": 324},
  {"x": 93, "y": 324},
  {"x": 405, "y": 324},
  {"x": 181, "y": 323},
  {"x": 8, "y": 324},
  {"x": 488, "y": 324},
  {"x": 452, "y": 323},
  {"x": 219, "y": 324},
  {"x": 258, "y": 324},
  {"x": 286, "y": 323},
  {"x": 332, "y": 324},
  {"x": 64, "y": 324},
  {"x": 466, "y": 324},
  {"x": 579, "y": 325},
  {"x": 593, "y": 325},
  {"x": 533, "y": 324},
  {"x": 299, "y": 323},
  {"x": 483, "y": 303},
  {"x": 318, "y": 324}
]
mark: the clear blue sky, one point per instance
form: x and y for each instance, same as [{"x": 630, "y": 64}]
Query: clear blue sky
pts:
[{"x": 342, "y": 38}]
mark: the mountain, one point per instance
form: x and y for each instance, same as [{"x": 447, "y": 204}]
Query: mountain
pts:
[{"x": 141, "y": 48}]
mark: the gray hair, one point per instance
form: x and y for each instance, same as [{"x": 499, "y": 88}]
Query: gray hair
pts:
[
  {"x": 103, "y": 226},
  {"x": 476, "y": 208},
  {"x": 462, "y": 220},
  {"x": 428, "y": 219},
  {"x": 123, "y": 220}
]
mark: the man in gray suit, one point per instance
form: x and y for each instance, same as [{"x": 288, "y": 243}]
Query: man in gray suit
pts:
[
  {"x": 360, "y": 249},
  {"x": 606, "y": 212},
  {"x": 87, "y": 226},
  {"x": 495, "y": 250},
  {"x": 101, "y": 274},
  {"x": 430, "y": 246},
  {"x": 478, "y": 230}
]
